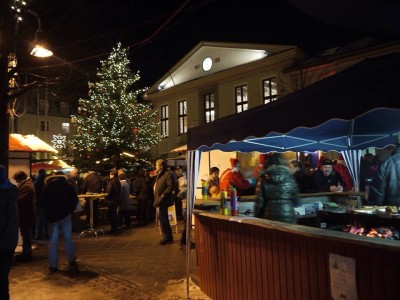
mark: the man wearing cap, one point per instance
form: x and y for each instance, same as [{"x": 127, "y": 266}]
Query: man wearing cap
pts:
[
  {"x": 8, "y": 229},
  {"x": 325, "y": 179},
  {"x": 233, "y": 177}
]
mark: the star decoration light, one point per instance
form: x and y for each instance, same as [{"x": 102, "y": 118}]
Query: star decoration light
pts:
[{"x": 59, "y": 141}]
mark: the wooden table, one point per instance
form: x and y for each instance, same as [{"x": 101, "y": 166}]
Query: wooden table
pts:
[{"x": 91, "y": 230}]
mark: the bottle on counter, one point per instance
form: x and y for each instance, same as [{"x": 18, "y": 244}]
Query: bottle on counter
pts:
[
  {"x": 224, "y": 206},
  {"x": 204, "y": 192},
  {"x": 234, "y": 202}
]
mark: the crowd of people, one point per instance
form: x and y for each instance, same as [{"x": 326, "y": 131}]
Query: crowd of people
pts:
[
  {"x": 42, "y": 209},
  {"x": 279, "y": 182}
]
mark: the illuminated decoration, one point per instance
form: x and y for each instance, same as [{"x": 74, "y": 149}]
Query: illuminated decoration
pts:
[
  {"x": 59, "y": 141},
  {"x": 112, "y": 121}
]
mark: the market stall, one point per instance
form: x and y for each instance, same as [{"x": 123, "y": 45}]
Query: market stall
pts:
[{"x": 276, "y": 260}]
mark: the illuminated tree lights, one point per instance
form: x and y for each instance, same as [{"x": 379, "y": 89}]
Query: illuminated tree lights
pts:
[{"x": 112, "y": 121}]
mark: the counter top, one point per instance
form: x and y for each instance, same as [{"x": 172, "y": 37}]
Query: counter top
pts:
[{"x": 305, "y": 230}]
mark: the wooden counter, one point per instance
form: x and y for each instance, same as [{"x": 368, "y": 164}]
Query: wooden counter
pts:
[{"x": 249, "y": 258}]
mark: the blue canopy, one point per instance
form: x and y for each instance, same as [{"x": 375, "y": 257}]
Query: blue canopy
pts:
[{"x": 376, "y": 128}]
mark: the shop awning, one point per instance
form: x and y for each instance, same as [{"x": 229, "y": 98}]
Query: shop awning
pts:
[
  {"x": 28, "y": 143},
  {"x": 180, "y": 149}
]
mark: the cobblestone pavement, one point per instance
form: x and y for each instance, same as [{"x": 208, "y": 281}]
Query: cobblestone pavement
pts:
[{"x": 129, "y": 265}]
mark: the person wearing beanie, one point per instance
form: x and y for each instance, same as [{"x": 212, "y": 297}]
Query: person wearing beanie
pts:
[
  {"x": 232, "y": 177},
  {"x": 325, "y": 179},
  {"x": 8, "y": 229},
  {"x": 26, "y": 213}
]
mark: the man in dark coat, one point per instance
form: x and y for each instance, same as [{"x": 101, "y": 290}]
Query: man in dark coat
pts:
[
  {"x": 8, "y": 229},
  {"x": 60, "y": 200},
  {"x": 163, "y": 188},
  {"x": 325, "y": 179},
  {"x": 92, "y": 184},
  {"x": 385, "y": 187},
  {"x": 114, "y": 199},
  {"x": 41, "y": 229},
  {"x": 26, "y": 213}
]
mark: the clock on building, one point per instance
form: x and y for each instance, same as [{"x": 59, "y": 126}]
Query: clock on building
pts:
[{"x": 207, "y": 63}]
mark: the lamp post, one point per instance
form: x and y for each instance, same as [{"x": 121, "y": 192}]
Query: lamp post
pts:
[
  {"x": 40, "y": 48},
  {"x": 8, "y": 70}
]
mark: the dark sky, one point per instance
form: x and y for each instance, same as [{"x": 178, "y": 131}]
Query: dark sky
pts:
[{"x": 159, "y": 33}]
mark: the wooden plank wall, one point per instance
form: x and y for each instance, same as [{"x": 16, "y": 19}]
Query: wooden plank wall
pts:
[{"x": 243, "y": 261}]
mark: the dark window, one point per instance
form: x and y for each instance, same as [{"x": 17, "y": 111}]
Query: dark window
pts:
[
  {"x": 270, "y": 91},
  {"x": 241, "y": 98},
  {"x": 64, "y": 108},
  {"x": 44, "y": 125},
  {"x": 182, "y": 117},
  {"x": 209, "y": 108},
  {"x": 164, "y": 120}
]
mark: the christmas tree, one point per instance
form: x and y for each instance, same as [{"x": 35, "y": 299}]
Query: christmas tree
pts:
[{"x": 113, "y": 127}]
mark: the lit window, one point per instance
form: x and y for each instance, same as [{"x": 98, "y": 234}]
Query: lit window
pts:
[
  {"x": 209, "y": 108},
  {"x": 164, "y": 120},
  {"x": 241, "y": 98},
  {"x": 65, "y": 128},
  {"x": 270, "y": 91},
  {"x": 182, "y": 117}
]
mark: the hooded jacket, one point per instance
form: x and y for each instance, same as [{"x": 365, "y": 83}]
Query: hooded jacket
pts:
[
  {"x": 59, "y": 198},
  {"x": 278, "y": 193}
]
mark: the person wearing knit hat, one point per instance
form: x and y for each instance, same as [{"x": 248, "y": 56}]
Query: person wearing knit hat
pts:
[
  {"x": 8, "y": 229},
  {"x": 325, "y": 179},
  {"x": 232, "y": 177}
]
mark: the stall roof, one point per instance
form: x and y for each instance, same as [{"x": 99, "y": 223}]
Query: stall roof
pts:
[
  {"x": 28, "y": 143},
  {"x": 367, "y": 85}
]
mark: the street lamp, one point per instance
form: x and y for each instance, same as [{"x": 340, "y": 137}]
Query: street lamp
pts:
[{"x": 40, "y": 47}]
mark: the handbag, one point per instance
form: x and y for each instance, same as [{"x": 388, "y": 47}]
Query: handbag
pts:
[{"x": 78, "y": 207}]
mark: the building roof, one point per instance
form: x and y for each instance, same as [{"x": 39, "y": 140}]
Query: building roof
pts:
[
  {"x": 28, "y": 143},
  {"x": 223, "y": 55}
]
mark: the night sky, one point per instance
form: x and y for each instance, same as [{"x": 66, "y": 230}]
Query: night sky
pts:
[{"x": 160, "y": 33}]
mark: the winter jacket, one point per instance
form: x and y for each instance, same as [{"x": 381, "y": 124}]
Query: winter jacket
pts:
[
  {"x": 125, "y": 193},
  {"x": 39, "y": 186},
  {"x": 26, "y": 203},
  {"x": 113, "y": 190},
  {"x": 385, "y": 186},
  {"x": 92, "y": 184},
  {"x": 163, "y": 188},
  {"x": 344, "y": 172},
  {"x": 233, "y": 178},
  {"x": 322, "y": 183},
  {"x": 59, "y": 197},
  {"x": 278, "y": 193},
  {"x": 141, "y": 186},
  {"x": 8, "y": 216}
]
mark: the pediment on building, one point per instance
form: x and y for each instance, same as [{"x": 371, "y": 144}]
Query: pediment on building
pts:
[{"x": 211, "y": 57}]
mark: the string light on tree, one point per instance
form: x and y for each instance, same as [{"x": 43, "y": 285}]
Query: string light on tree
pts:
[{"x": 112, "y": 121}]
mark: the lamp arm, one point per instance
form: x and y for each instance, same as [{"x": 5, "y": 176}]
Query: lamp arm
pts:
[{"x": 37, "y": 17}]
